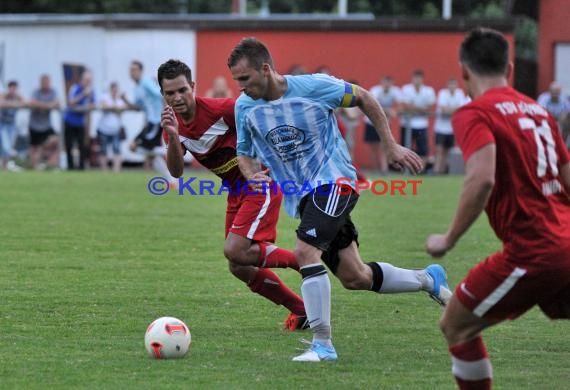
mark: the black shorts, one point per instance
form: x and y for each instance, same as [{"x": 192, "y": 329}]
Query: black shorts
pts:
[
  {"x": 150, "y": 136},
  {"x": 419, "y": 140},
  {"x": 38, "y": 138},
  {"x": 445, "y": 140},
  {"x": 371, "y": 135},
  {"x": 325, "y": 222}
]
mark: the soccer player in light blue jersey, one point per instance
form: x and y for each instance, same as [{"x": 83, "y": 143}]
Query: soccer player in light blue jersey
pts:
[{"x": 288, "y": 124}]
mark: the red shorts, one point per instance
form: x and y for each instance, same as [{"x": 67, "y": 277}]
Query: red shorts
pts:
[
  {"x": 499, "y": 288},
  {"x": 254, "y": 216}
]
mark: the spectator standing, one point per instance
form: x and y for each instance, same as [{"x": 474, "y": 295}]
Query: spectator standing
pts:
[
  {"x": 448, "y": 100},
  {"x": 219, "y": 89},
  {"x": 80, "y": 100},
  {"x": 10, "y": 102},
  {"x": 558, "y": 105},
  {"x": 388, "y": 96},
  {"x": 44, "y": 142},
  {"x": 417, "y": 104},
  {"x": 110, "y": 127},
  {"x": 352, "y": 118},
  {"x": 297, "y": 69}
]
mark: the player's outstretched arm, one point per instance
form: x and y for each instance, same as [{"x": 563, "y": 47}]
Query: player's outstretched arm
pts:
[
  {"x": 477, "y": 187},
  {"x": 397, "y": 155}
]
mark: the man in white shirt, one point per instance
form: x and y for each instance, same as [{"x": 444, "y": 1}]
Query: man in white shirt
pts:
[
  {"x": 417, "y": 103},
  {"x": 448, "y": 100},
  {"x": 109, "y": 127},
  {"x": 388, "y": 96},
  {"x": 558, "y": 105}
]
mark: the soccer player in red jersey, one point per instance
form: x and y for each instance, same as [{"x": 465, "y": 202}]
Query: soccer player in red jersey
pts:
[
  {"x": 518, "y": 171},
  {"x": 206, "y": 128}
]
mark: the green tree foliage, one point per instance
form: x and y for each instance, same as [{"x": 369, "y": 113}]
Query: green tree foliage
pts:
[{"x": 526, "y": 33}]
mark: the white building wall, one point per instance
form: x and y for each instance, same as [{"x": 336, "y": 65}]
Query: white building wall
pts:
[{"x": 32, "y": 50}]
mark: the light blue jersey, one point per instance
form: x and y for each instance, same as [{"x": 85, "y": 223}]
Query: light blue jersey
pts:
[
  {"x": 149, "y": 99},
  {"x": 297, "y": 136}
]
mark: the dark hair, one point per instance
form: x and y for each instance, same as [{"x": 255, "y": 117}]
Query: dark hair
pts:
[
  {"x": 138, "y": 64},
  {"x": 485, "y": 52},
  {"x": 418, "y": 72},
  {"x": 253, "y": 50},
  {"x": 13, "y": 83},
  {"x": 171, "y": 69},
  {"x": 323, "y": 69}
]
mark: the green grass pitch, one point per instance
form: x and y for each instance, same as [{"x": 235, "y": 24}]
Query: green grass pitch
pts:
[{"x": 88, "y": 260}]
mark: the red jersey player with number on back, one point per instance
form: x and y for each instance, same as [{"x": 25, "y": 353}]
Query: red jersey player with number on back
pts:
[
  {"x": 206, "y": 128},
  {"x": 518, "y": 171}
]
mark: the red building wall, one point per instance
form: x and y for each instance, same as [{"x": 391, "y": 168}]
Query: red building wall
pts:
[
  {"x": 360, "y": 55},
  {"x": 554, "y": 27}
]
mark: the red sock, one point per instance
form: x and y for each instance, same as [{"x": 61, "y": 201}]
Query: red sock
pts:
[
  {"x": 267, "y": 284},
  {"x": 471, "y": 365},
  {"x": 272, "y": 256}
]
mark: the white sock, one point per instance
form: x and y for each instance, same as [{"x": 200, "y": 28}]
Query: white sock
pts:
[
  {"x": 397, "y": 280},
  {"x": 159, "y": 165},
  {"x": 316, "y": 292}
]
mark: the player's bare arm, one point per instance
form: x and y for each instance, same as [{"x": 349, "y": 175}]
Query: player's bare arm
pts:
[
  {"x": 251, "y": 170},
  {"x": 477, "y": 187},
  {"x": 398, "y": 155},
  {"x": 174, "y": 154}
]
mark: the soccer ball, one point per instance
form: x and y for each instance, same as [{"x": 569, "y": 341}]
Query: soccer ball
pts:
[{"x": 167, "y": 338}]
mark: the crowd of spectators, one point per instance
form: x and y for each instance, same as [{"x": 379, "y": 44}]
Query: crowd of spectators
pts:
[{"x": 416, "y": 108}]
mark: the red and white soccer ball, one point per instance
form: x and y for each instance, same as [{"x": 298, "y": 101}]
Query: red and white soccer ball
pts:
[{"x": 167, "y": 338}]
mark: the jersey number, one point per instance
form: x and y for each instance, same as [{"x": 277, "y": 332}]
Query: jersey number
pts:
[{"x": 541, "y": 133}]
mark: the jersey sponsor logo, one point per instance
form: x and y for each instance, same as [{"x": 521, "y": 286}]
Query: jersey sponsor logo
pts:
[
  {"x": 285, "y": 139},
  {"x": 311, "y": 232},
  {"x": 226, "y": 167}
]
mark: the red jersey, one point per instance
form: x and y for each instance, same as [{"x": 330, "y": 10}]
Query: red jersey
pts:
[
  {"x": 529, "y": 209},
  {"x": 211, "y": 138}
]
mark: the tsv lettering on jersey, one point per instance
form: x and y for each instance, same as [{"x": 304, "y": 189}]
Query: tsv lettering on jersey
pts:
[
  {"x": 510, "y": 108},
  {"x": 551, "y": 187}
]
